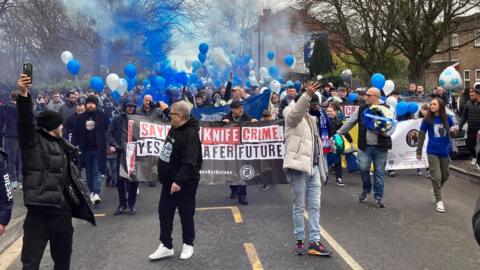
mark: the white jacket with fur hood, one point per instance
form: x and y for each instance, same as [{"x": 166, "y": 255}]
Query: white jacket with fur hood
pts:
[{"x": 300, "y": 132}]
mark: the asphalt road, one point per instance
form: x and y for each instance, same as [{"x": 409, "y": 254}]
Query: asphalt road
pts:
[{"x": 407, "y": 234}]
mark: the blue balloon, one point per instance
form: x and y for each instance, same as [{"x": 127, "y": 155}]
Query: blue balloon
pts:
[
  {"x": 96, "y": 83},
  {"x": 203, "y": 48},
  {"x": 196, "y": 65},
  {"x": 289, "y": 60},
  {"x": 290, "y": 84},
  {"x": 116, "y": 96},
  {"x": 280, "y": 79},
  {"x": 181, "y": 78},
  {"x": 159, "y": 82},
  {"x": 217, "y": 83},
  {"x": 146, "y": 82},
  {"x": 378, "y": 81},
  {"x": 270, "y": 55},
  {"x": 73, "y": 66},
  {"x": 412, "y": 107},
  {"x": 245, "y": 59},
  {"x": 130, "y": 71},
  {"x": 202, "y": 57},
  {"x": 401, "y": 108},
  {"x": 298, "y": 85},
  {"x": 130, "y": 83},
  {"x": 199, "y": 84},
  {"x": 193, "y": 78},
  {"x": 274, "y": 71},
  {"x": 352, "y": 97}
]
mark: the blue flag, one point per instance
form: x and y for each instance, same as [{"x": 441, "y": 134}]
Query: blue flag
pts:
[{"x": 253, "y": 106}]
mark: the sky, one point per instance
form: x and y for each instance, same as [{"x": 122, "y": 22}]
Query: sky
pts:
[{"x": 189, "y": 50}]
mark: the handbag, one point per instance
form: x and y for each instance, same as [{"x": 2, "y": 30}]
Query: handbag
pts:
[{"x": 352, "y": 163}]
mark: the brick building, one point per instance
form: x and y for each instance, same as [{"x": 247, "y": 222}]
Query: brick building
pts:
[{"x": 466, "y": 58}]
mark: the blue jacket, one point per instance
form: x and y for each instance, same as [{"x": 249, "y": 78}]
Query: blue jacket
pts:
[
  {"x": 6, "y": 197},
  {"x": 8, "y": 119}
]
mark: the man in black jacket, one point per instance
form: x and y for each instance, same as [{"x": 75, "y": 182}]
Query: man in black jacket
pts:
[
  {"x": 179, "y": 172},
  {"x": 372, "y": 147},
  {"x": 238, "y": 189},
  {"x": 6, "y": 197},
  {"x": 471, "y": 116},
  {"x": 8, "y": 119},
  {"x": 116, "y": 146},
  {"x": 49, "y": 172},
  {"x": 89, "y": 135}
]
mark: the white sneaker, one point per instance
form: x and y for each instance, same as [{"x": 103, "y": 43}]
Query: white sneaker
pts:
[
  {"x": 187, "y": 252},
  {"x": 162, "y": 252},
  {"x": 474, "y": 161},
  {"x": 440, "y": 207},
  {"x": 138, "y": 191},
  {"x": 91, "y": 196},
  {"x": 96, "y": 199}
]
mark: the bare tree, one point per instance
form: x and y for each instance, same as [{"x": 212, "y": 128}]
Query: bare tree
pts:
[
  {"x": 357, "y": 32},
  {"x": 421, "y": 26}
]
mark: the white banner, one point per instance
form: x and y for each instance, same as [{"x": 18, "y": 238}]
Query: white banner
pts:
[{"x": 403, "y": 154}]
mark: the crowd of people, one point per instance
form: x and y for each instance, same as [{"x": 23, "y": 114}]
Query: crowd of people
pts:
[{"x": 50, "y": 131}]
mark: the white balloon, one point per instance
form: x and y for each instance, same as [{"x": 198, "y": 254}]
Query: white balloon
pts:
[
  {"x": 252, "y": 74},
  {"x": 253, "y": 81},
  {"x": 388, "y": 87},
  {"x": 188, "y": 63},
  {"x": 320, "y": 97},
  {"x": 275, "y": 86},
  {"x": 450, "y": 79},
  {"x": 122, "y": 86},
  {"x": 319, "y": 77},
  {"x": 66, "y": 56},
  {"x": 112, "y": 81},
  {"x": 261, "y": 82},
  {"x": 283, "y": 95},
  {"x": 263, "y": 72},
  {"x": 392, "y": 102},
  {"x": 251, "y": 64},
  {"x": 218, "y": 56}
]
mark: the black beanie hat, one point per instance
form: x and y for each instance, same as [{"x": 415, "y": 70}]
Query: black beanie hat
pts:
[
  {"x": 91, "y": 99},
  {"x": 49, "y": 120}
]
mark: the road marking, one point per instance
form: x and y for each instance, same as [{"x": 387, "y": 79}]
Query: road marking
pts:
[
  {"x": 237, "y": 216},
  {"x": 338, "y": 248},
  {"x": 252, "y": 256},
  {"x": 100, "y": 215},
  {"x": 11, "y": 253}
]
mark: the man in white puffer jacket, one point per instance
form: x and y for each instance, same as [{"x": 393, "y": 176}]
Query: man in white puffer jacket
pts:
[{"x": 303, "y": 164}]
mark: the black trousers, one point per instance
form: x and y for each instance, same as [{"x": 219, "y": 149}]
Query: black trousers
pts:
[
  {"x": 38, "y": 230},
  {"x": 338, "y": 169},
  {"x": 184, "y": 200},
  {"x": 240, "y": 190},
  {"x": 124, "y": 187},
  {"x": 472, "y": 141}
]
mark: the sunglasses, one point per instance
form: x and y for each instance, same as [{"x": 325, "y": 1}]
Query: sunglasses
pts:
[{"x": 369, "y": 95}]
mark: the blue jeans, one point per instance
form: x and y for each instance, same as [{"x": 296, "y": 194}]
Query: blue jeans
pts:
[
  {"x": 92, "y": 171},
  {"x": 14, "y": 161},
  {"x": 304, "y": 185},
  {"x": 379, "y": 158}
]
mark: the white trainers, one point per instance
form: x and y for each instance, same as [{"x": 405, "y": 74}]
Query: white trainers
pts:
[
  {"x": 91, "y": 196},
  {"x": 96, "y": 199},
  {"x": 187, "y": 252},
  {"x": 162, "y": 252},
  {"x": 474, "y": 162},
  {"x": 440, "y": 207}
]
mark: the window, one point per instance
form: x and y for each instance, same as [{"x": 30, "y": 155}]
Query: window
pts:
[
  {"x": 477, "y": 38},
  {"x": 477, "y": 74},
  {"x": 454, "y": 40},
  {"x": 466, "y": 78}
]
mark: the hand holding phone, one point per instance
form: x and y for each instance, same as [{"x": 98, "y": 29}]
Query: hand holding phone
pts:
[{"x": 28, "y": 70}]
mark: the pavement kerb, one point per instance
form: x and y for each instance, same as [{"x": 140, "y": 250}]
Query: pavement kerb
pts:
[
  {"x": 476, "y": 177},
  {"x": 13, "y": 232}
]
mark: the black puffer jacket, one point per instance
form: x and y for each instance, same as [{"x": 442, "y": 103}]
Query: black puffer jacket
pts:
[
  {"x": 181, "y": 157},
  {"x": 47, "y": 162},
  {"x": 471, "y": 115}
]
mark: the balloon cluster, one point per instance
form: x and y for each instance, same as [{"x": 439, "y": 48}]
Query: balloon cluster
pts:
[
  {"x": 73, "y": 66},
  {"x": 378, "y": 81},
  {"x": 403, "y": 108},
  {"x": 378, "y": 118}
]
